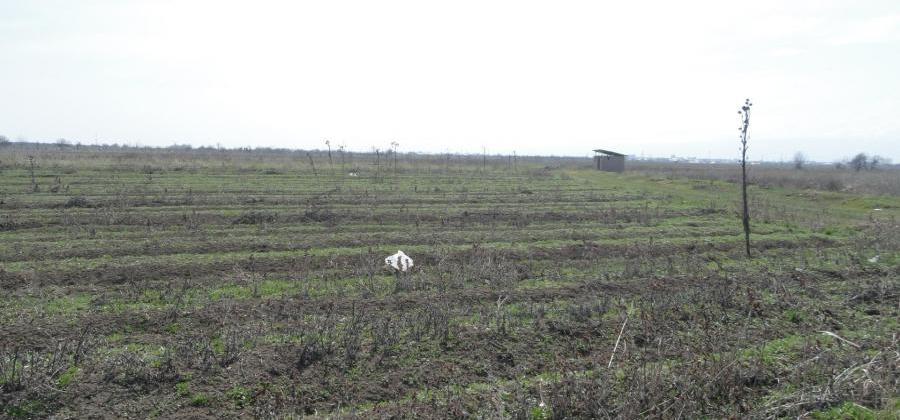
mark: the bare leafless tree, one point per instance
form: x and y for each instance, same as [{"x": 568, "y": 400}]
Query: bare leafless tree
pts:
[
  {"x": 34, "y": 185},
  {"x": 799, "y": 161},
  {"x": 330, "y": 161},
  {"x": 745, "y": 125},
  {"x": 312, "y": 163},
  {"x": 377, "y": 163},
  {"x": 859, "y": 162},
  {"x": 874, "y": 161},
  {"x": 394, "y": 147}
]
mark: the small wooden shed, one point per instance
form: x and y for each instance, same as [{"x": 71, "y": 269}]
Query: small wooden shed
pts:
[{"x": 609, "y": 161}]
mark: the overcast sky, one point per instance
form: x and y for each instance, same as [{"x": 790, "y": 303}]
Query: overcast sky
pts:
[{"x": 555, "y": 77}]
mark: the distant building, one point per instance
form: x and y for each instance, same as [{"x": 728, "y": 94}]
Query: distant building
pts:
[{"x": 609, "y": 161}]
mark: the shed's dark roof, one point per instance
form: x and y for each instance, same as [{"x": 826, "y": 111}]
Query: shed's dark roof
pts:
[{"x": 607, "y": 152}]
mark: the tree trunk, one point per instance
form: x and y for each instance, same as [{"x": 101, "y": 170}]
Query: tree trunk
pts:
[{"x": 746, "y": 216}]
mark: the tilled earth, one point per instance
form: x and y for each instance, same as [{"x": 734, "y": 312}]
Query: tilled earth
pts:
[{"x": 258, "y": 290}]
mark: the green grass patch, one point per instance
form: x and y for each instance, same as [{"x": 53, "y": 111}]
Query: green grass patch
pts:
[
  {"x": 201, "y": 400},
  {"x": 68, "y": 304},
  {"x": 67, "y": 377},
  {"x": 263, "y": 289}
]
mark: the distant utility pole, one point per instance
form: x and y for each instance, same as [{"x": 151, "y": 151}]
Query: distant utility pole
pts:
[{"x": 745, "y": 114}]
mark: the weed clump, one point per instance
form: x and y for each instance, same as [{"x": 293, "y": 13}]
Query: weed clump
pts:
[
  {"x": 77, "y": 202},
  {"x": 255, "y": 217}
]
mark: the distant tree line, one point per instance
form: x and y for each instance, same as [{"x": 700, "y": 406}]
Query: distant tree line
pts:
[
  {"x": 861, "y": 161},
  {"x": 857, "y": 163}
]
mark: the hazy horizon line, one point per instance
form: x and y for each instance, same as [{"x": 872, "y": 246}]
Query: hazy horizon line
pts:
[{"x": 640, "y": 157}]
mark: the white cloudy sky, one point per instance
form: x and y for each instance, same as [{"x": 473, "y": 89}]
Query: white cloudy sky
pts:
[{"x": 552, "y": 77}]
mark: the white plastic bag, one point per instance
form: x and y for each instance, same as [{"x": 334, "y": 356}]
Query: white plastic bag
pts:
[{"x": 399, "y": 261}]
